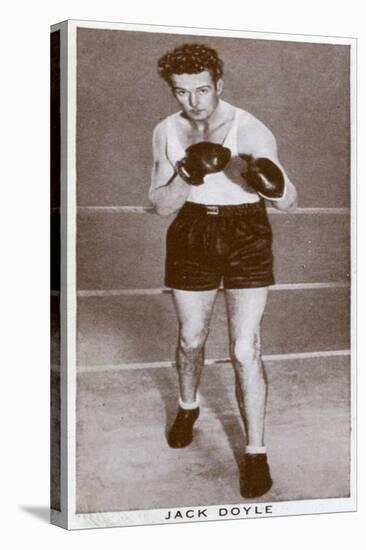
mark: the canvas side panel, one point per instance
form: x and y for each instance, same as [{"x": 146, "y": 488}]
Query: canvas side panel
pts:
[{"x": 55, "y": 146}]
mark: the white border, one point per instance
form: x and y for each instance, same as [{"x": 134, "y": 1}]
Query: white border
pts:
[
  {"x": 68, "y": 297},
  {"x": 353, "y": 233},
  {"x": 71, "y": 269},
  {"x": 67, "y": 518},
  {"x": 167, "y": 29},
  {"x": 254, "y": 510}
]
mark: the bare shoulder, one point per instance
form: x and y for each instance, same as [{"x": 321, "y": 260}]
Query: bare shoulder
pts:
[
  {"x": 161, "y": 128},
  {"x": 160, "y": 137},
  {"x": 247, "y": 121},
  {"x": 253, "y": 134}
]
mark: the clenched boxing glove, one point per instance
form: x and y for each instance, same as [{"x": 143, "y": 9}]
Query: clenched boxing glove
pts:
[
  {"x": 201, "y": 159},
  {"x": 264, "y": 176}
]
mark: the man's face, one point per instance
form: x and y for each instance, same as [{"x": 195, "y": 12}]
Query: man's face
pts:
[{"x": 197, "y": 94}]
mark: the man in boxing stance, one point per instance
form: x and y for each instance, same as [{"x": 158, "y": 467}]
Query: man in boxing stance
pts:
[{"x": 215, "y": 164}]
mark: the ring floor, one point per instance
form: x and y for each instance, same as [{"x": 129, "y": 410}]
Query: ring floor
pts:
[{"x": 124, "y": 462}]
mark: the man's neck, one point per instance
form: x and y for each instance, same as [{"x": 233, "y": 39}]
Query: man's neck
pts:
[{"x": 217, "y": 118}]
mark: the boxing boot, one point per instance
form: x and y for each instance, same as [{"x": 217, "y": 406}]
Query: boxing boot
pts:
[
  {"x": 255, "y": 477},
  {"x": 180, "y": 434}
]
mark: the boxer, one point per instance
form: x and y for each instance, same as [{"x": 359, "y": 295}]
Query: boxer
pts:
[{"x": 216, "y": 167}]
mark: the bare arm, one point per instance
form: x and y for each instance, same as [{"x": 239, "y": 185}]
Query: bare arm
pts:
[
  {"x": 168, "y": 192},
  {"x": 256, "y": 139}
]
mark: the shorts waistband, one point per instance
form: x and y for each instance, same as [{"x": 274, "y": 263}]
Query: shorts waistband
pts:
[{"x": 229, "y": 210}]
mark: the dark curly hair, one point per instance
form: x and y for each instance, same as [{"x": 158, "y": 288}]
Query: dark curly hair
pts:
[{"x": 190, "y": 59}]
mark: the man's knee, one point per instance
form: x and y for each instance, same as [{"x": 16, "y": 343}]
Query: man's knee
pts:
[
  {"x": 246, "y": 351},
  {"x": 192, "y": 338}
]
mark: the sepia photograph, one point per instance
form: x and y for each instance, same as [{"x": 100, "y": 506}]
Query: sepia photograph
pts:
[{"x": 202, "y": 209}]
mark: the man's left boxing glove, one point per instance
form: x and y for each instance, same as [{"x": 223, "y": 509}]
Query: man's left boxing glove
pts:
[
  {"x": 201, "y": 159},
  {"x": 264, "y": 176}
]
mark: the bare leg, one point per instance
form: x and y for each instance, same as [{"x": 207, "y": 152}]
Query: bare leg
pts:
[
  {"x": 245, "y": 310},
  {"x": 194, "y": 311}
]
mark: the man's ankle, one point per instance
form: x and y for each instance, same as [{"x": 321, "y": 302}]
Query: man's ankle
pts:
[{"x": 189, "y": 405}]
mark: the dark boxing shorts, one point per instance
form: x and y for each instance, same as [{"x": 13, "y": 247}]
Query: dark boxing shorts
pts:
[{"x": 207, "y": 245}]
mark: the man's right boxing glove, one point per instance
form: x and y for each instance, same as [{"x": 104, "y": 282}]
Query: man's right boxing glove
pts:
[{"x": 201, "y": 159}]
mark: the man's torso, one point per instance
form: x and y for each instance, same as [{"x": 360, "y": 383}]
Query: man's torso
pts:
[{"x": 228, "y": 186}]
